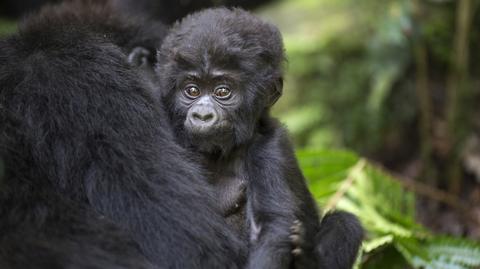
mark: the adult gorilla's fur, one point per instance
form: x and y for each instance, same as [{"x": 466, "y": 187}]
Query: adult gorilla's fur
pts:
[
  {"x": 167, "y": 11},
  {"x": 92, "y": 178}
]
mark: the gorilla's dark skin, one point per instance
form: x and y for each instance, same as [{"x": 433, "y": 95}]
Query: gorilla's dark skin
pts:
[
  {"x": 93, "y": 177},
  {"x": 221, "y": 71}
]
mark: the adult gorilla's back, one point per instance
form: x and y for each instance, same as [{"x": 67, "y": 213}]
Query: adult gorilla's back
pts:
[{"x": 92, "y": 177}]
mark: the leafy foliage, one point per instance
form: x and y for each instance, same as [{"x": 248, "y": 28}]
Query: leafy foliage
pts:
[
  {"x": 340, "y": 179},
  {"x": 347, "y": 60}
]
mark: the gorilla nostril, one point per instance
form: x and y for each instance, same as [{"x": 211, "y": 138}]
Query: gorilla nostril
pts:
[
  {"x": 195, "y": 115},
  {"x": 208, "y": 117}
]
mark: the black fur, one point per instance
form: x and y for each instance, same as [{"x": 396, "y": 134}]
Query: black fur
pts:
[
  {"x": 338, "y": 240},
  {"x": 167, "y": 11},
  {"x": 244, "y": 145},
  {"x": 92, "y": 176}
]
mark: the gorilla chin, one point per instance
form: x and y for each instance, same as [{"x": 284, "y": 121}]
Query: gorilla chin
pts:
[{"x": 212, "y": 138}]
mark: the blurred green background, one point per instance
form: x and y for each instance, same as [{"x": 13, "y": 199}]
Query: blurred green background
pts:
[
  {"x": 382, "y": 100},
  {"x": 397, "y": 82}
]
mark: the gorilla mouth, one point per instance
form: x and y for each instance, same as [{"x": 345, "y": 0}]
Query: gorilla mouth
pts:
[
  {"x": 216, "y": 138},
  {"x": 221, "y": 128}
]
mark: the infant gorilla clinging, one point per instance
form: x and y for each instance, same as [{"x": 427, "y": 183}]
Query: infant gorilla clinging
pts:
[{"x": 221, "y": 71}]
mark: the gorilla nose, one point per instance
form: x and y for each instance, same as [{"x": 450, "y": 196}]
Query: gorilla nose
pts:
[
  {"x": 204, "y": 116},
  {"x": 201, "y": 119}
]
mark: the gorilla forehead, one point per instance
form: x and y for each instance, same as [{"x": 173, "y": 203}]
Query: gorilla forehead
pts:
[
  {"x": 230, "y": 38},
  {"x": 207, "y": 61}
]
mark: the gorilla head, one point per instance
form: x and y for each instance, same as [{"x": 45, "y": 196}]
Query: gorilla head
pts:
[{"x": 222, "y": 70}]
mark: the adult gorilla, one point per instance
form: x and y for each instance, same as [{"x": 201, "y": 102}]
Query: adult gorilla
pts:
[
  {"x": 167, "y": 11},
  {"x": 92, "y": 178}
]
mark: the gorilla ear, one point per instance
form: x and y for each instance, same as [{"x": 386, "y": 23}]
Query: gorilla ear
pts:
[
  {"x": 140, "y": 57},
  {"x": 275, "y": 92}
]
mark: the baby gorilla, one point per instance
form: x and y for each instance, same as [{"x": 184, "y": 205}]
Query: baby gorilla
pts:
[{"x": 221, "y": 71}]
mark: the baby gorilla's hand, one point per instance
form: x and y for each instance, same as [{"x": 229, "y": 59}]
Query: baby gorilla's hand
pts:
[
  {"x": 302, "y": 251},
  {"x": 297, "y": 238}
]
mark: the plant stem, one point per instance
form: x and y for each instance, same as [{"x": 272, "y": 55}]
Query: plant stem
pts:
[
  {"x": 457, "y": 90},
  {"x": 423, "y": 95}
]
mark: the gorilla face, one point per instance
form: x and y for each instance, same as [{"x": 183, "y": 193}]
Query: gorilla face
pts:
[{"x": 209, "y": 102}]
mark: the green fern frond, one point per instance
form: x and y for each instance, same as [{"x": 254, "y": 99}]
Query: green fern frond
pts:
[
  {"x": 440, "y": 253},
  {"x": 387, "y": 211}
]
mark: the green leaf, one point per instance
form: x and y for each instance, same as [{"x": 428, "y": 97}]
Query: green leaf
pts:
[
  {"x": 387, "y": 211},
  {"x": 375, "y": 243},
  {"x": 325, "y": 170},
  {"x": 440, "y": 252}
]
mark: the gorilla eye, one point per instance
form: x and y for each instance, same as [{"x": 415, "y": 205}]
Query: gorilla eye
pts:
[
  {"x": 192, "y": 91},
  {"x": 222, "y": 92}
]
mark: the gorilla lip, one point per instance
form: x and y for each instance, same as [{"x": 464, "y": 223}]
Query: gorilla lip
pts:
[{"x": 211, "y": 130}]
